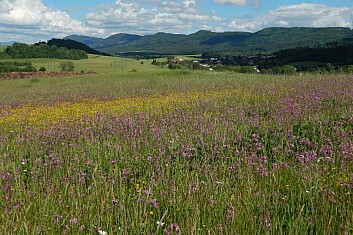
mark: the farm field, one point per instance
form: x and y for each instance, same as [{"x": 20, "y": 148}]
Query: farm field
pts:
[
  {"x": 149, "y": 150},
  {"x": 95, "y": 63}
]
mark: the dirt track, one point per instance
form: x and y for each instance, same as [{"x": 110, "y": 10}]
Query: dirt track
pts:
[{"x": 21, "y": 75}]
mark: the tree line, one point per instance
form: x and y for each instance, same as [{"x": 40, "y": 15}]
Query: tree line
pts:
[
  {"x": 42, "y": 50},
  {"x": 6, "y": 67},
  {"x": 336, "y": 53}
]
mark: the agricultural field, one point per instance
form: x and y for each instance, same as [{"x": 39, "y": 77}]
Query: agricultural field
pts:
[
  {"x": 95, "y": 63},
  {"x": 149, "y": 150}
]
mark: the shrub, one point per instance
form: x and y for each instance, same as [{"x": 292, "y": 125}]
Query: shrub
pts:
[
  {"x": 29, "y": 68},
  {"x": 67, "y": 66},
  {"x": 350, "y": 69},
  {"x": 286, "y": 70},
  {"x": 42, "y": 69}
]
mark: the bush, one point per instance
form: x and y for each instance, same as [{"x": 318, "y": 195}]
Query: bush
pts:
[
  {"x": 247, "y": 69},
  {"x": 29, "y": 68},
  {"x": 67, "y": 66},
  {"x": 42, "y": 69},
  {"x": 286, "y": 70},
  {"x": 350, "y": 69}
]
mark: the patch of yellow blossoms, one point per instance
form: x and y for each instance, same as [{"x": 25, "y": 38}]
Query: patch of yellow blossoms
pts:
[{"x": 49, "y": 115}]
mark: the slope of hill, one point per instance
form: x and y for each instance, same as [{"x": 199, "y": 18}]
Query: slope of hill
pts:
[
  {"x": 265, "y": 41},
  {"x": 71, "y": 44},
  {"x": 101, "y": 44}
]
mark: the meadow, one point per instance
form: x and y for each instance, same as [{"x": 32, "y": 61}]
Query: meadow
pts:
[{"x": 147, "y": 150}]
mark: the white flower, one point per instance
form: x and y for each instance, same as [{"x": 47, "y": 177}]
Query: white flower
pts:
[
  {"x": 101, "y": 232},
  {"x": 160, "y": 223},
  {"x": 218, "y": 182}
]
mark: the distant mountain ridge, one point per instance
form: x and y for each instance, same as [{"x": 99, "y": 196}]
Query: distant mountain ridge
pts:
[
  {"x": 265, "y": 41},
  {"x": 7, "y": 43}
]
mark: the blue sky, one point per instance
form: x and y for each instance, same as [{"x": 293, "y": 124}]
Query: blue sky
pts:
[{"x": 33, "y": 20}]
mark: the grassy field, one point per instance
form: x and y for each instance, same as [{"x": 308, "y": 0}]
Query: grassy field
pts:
[
  {"x": 175, "y": 152},
  {"x": 96, "y": 63}
]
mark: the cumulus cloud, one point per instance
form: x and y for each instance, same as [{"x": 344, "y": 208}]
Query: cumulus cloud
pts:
[
  {"x": 306, "y": 15},
  {"x": 232, "y": 2},
  {"x": 167, "y": 16},
  {"x": 32, "y": 17},
  {"x": 254, "y": 3}
]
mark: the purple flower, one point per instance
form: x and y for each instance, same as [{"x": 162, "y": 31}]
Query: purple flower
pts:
[{"x": 173, "y": 227}]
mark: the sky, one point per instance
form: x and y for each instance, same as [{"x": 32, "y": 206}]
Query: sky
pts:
[{"x": 30, "y": 21}]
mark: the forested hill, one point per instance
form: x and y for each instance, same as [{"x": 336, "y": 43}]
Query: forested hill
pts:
[
  {"x": 71, "y": 44},
  {"x": 42, "y": 50},
  {"x": 266, "y": 41}
]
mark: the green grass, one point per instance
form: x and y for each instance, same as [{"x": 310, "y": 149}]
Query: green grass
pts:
[
  {"x": 231, "y": 154},
  {"x": 95, "y": 63},
  {"x": 135, "y": 79},
  {"x": 2, "y": 48}
]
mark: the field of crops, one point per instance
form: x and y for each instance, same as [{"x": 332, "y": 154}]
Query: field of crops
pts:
[{"x": 176, "y": 152}]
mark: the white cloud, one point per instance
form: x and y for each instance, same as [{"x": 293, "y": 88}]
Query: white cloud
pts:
[
  {"x": 254, "y": 3},
  {"x": 305, "y": 15},
  {"x": 189, "y": 3},
  {"x": 167, "y": 16},
  {"x": 232, "y": 2},
  {"x": 31, "y": 17}
]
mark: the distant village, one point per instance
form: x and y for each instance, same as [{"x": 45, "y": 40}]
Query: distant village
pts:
[{"x": 221, "y": 62}]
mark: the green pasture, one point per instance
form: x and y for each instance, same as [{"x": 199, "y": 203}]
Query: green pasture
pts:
[
  {"x": 156, "y": 81},
  {"x": 98, "y": 64}
]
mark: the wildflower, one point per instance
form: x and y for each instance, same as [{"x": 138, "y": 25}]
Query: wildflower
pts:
[
  {"x": 219, "y": 182},
  {"x": 101, "y": 232},
  {"x": 58, "y": 218},
  {"x": 81, "y": 177},
  {"x": 154, "y": 203},
  {"x": 73, "y": 220},
  {"x": 160, "y": 223},
  {"x": 126, "y": 171},
  {"x": 173, "y": 227},
  {"x": 151, "y": 213},
  {"x": 148, "y": 192}
]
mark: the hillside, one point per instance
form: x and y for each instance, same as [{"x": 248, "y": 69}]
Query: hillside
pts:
[
  {"x": 265, "y": 41},
  {"x": 71, "y": 44}
]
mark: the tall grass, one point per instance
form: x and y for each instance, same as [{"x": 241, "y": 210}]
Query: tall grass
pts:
[{"x": 177, "y": 152}]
